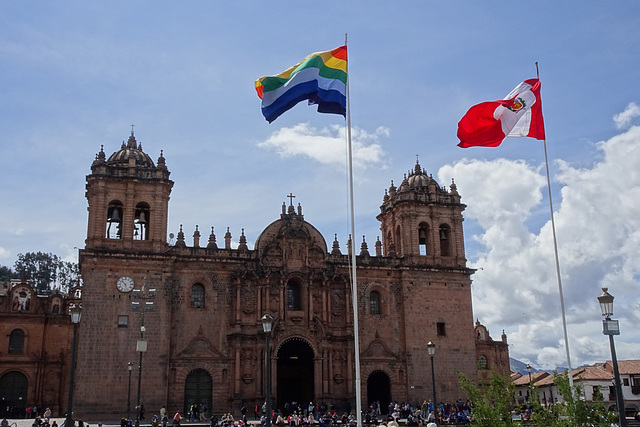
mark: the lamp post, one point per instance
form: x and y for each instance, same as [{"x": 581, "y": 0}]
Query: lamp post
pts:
[
  {"x": 529, "y": 370},
  {"x": 611, "y": 327},
  {"x": 130, "y": 368},
  {"x": 431, "y": 349},
  {"x": 267, "y": 323},
  {"x": 141, "y": 344},
  {"x": 75, "y": 310}
]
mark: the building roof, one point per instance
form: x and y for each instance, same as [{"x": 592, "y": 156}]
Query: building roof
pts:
[
  {"x": 626, "y": 367},
  {"x": 535, "y": 377},
  {"x": 583, "y": 373}
]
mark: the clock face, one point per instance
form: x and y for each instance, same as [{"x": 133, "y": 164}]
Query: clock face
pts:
[{"x": 125, "y": 284}]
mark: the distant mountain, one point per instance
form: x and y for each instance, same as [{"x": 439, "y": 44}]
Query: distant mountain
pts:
[
  {"x": 521, "y": 367},
  {"x": 518, "y": 366}
]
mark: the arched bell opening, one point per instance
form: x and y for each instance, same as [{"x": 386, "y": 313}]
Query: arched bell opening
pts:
[
  {"x": 114, "y": 220},
  {"x": 141, "y": 222}
]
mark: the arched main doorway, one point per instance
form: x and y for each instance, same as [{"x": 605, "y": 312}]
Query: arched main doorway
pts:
[
  {"x": 198, "y": 390},
  {"x": 295, "y": 373},
  {"x": 13, "y": 389},
  {"x": 379, "y": 390}
]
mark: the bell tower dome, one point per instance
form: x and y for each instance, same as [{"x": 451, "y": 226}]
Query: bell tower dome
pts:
[
  {"x": 422, "y": 221},
  {"x": 128, "y": 199}
]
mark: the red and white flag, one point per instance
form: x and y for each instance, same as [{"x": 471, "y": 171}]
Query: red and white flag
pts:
[{"x": 518, "y": 114}]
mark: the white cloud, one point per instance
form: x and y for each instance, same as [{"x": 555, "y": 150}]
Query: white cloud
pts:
[
  {"x": 328, "y": 145},
  {"x": 623, "y": 119},
  {"x": 4, "y": 253},
  {"x": 598, "y": 233}
]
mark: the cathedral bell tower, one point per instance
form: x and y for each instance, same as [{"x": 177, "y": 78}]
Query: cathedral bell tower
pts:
[
  {"x": 128, "y": 200},
  {"x": 422, "y": 222}
]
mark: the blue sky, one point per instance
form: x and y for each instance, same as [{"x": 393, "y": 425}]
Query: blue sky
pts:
[{"x": 75, "y": 75}]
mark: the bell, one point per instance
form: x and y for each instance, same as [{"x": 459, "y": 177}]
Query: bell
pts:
[
  {"x": 115, "y": 215},
  {"x": 443, "y": 234},
  {"x": 142, "y": 219}
]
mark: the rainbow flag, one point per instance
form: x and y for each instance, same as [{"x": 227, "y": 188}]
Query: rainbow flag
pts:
[{"x": 321, "y": 78}]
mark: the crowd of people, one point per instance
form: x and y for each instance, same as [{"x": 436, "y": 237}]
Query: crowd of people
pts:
[{"x": 295, "y": 415}]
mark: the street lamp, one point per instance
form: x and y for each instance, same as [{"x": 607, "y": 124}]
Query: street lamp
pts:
[
  {"x": 529, "y": 396},
  {"x": 75, "y": 311},
  {"x": 431, "y": 348},
  {"x": 130, "y": 368},
  {"x": 267, "y": 323},
  {"x": 611, "y": 328},
  {"x": 141, "y": 344}
]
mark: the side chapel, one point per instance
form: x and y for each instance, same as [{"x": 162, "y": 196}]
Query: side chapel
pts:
[{"x": 187, "y": 313}]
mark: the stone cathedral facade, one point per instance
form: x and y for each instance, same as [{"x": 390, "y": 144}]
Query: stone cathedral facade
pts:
[{"x": 194, "y": 304}]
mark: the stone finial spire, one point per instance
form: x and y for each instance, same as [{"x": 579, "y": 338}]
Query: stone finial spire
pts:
[
  {"x": 162, "y": 164},
  {"x": 349, "y": 245},
  {"x": 364, "y": 248},
  {"x": 227, "y": 239},
  {"x": 180, "y": 242},
  {"x": 336, "y": 246},
  {"x": 196, "y": 238},
  {"x": 392, "y": 190},
  {"x": 378, "y": 247},
  {"x": 242, "y": 246},
  {"x": 131, "y": 142},
  {"x": 212, "y": 240},
  {"x": 453, "y": 187}
]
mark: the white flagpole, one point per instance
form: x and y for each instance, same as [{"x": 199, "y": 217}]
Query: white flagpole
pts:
[
  {"x": 354, "y": 282},
  {"x": 555, "y": 249}
]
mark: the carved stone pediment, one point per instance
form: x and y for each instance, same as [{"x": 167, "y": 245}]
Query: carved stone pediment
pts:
[
  {"x": 377, "y": 350},
  {"x": 200, "y": 349}
]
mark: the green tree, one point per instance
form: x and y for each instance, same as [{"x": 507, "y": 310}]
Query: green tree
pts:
[
  {"x": 493, "y": 402},
  {"x": 574, "y": 411},
  {"x": 6, "y": 275},
  {"x": 47, "y": 271},
  {"x": 68, "y": 275}
]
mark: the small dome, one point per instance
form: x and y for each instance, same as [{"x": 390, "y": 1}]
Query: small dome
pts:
[
  {"x": 421, "y": 180},
  {"x": 417, "y": 180},
  {"x": 128, "y": 150}
]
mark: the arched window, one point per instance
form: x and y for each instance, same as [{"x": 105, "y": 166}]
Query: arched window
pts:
[
  {"x": 390, "y": 245},
  {"x": 141, "y": 222},
  {"x": 482, "y": 362},
  {"x": 293, "y": 295},
  {"x": 445, "y": 240},
  {"x": 16, "y": 342},
  {"x": 398, "y": 241},
  {"x": 374, "y": 302},
  {"x": 197, "y": 296},
  {"x": 423, "y": 238},
  {"x": 114, "y": 220}
]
